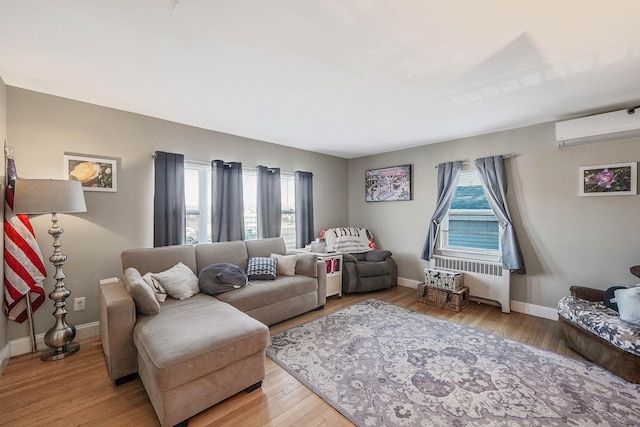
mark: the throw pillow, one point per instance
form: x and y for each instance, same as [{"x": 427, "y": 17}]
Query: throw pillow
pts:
[
  {"x": 141, "y": 293},
  {"x": 307, "y": 264},
  {"x": 222, "y": 277},
  {"x": 376, "y": 255},
  {"x": 261, "y": 268},
  {"x": 629, "y": 304},
  {"x": 285, "y": 264},
  {"x": 610, "y": 298},
  {"x": 159, "y": 292},
  {"x": 179, "y": 281}
]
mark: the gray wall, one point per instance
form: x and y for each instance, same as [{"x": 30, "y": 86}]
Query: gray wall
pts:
[
  {"x": 566, "y": 239},
  {"x": 3, "y": 138},
  {"x": 41, "y": 128}
]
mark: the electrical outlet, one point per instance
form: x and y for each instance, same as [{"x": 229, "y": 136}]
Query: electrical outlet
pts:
[{"x": 78, "y": 304}]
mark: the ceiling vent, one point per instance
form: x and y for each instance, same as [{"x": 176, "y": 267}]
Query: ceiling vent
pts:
[{"x": 601, "y": 127}]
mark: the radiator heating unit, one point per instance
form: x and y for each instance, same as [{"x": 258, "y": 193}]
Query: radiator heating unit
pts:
[{"x": 486, "y": 281}]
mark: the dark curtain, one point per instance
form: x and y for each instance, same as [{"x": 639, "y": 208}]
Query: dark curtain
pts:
[
  {"x": 448, "y": 174},
  {"x": 227, "y": 207},
  {"x": 494, "y": 181},
  {"x": 269, "y": 208},
  {"x": 168, "y": 201},
  {"x": 304, "y": 208}
]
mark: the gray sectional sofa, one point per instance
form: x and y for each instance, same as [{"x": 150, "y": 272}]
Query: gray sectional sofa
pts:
[{"x": 198, "y": 351}]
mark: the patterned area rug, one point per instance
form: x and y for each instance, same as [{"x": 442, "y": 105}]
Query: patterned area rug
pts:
[{"x": 384, "y": 365}]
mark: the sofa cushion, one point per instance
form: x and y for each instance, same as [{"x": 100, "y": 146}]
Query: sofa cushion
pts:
[
  {"x": 263, "y": 293},
  {"x": 193, "y": 337},
  {"x": 307, "y": 265},
  {"x": 629, "y": 304},
  {"x": 234, "y": 252},
  {"x": 602, "y": 321},
  {"x": 141, "y": 292},
  {"x": 368, "y": 268},
  {"x": 222, "y": 277},
  {"x": 261, "y": 268},
  {"x": 265, "y": 247},
  {"x": 285, "y": 264},
  {"x": 179, "y": 281}
]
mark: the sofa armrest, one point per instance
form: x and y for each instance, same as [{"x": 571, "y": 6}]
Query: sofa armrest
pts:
[
  {"x": 322, "y": 283},
  {"x": 349, "y": 258},
  {"x": 589, "y": 294},
  {"x": 117, "y": 320}
]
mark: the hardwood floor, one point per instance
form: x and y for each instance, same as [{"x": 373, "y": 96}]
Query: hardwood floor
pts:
[{"x": 77, "y": 390}]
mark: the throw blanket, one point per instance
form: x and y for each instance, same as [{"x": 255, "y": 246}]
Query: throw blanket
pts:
[{"x": 348, "y": 239}]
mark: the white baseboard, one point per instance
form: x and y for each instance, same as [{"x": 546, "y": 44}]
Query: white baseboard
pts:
[
  {"x": 23, "y": 345},
  {"x": 408, "y": 283},
  {"x": 520, "y": 307},
  {"x": 5, "y": 355},
  {"x": 534, "y": 310}
]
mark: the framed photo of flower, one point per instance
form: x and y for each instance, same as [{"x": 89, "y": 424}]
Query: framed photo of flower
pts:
[
  {"x": 94, "y": 173},
  {"x": 618, "y": 179}
]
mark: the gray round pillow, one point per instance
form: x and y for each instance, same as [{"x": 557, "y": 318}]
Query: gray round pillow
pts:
[{"x": 223, "y": 277}]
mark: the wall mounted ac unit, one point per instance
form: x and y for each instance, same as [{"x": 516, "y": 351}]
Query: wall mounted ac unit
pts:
[{"x": 601, "y": 127}]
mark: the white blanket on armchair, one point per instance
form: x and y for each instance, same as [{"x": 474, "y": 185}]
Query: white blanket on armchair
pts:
[{"x": 348, "y": 239}]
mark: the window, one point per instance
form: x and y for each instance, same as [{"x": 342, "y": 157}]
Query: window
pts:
[
  {"x": 197, "y": 194},
  {"x": 470, "y": 225},
  {"x": 197, "y": 178},
  {"x": 250, "y": 200}
]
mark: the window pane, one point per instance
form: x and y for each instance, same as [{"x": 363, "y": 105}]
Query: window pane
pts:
[
  {"x": 288, "y": 210},
  {"x": 250, "y": 200},
  {"x": 192, "y": 200},
  {"x": 471, "y": 223}
]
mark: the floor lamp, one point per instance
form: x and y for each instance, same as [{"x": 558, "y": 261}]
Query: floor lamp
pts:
[{"x": 54, "y": 196}]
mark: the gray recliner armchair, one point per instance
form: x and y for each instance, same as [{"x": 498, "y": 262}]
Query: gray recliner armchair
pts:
[{"x": 368, "y": 271}]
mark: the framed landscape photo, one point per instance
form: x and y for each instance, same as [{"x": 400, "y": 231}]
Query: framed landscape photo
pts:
[
  {"x": 388, "y": 184},
  {"x": 619, "y": 179},
  {"x": 94, "y": 173}
]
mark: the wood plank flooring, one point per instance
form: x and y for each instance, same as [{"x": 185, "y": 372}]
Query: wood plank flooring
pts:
[{"x": 77, "y": 391}]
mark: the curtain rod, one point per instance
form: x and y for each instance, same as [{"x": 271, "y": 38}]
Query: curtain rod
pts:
[{"x": 469, "y": 162}]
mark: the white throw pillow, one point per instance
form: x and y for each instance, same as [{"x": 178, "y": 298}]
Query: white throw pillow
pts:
[
  {"x": 141, "y": 293},
  {"x": 159, "y": 292},
  {"x": 629, "y": 304},
  {"x": 179, "y": 281},
  {"x": 286, "y": 264}
]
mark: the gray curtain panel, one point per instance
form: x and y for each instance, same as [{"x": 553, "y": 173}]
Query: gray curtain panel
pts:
[
  {"x": 227, "y": 207},
  {"x": 169, "y": 210},
  {"x": 494, "y": 181},
  {"x": 448, "y": 174},
  {"x": 304, "y": 208},
  {"x": 269, "y": 208}
]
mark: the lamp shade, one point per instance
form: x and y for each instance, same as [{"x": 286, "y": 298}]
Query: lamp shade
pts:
[{"x": 37, "y": 196}]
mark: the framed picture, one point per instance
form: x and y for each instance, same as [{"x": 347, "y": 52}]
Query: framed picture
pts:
[
  {"x": 95, "y": 174},
  {"x": 388, "y": 184},
  {"x": 618, "y": 179}
]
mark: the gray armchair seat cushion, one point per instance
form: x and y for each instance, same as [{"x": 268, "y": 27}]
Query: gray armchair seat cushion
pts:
[{"x": 368, "y": 271}]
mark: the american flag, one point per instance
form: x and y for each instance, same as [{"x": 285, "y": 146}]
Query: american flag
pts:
[{"x": 24, "y": 268}]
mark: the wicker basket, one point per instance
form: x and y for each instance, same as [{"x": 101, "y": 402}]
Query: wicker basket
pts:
[
  {"x": 452, "y": 280},
  {"x": 444, "y": 298}
]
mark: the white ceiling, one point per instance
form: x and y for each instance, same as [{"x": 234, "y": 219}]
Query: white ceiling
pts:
[{"x": 342, "y": 77}]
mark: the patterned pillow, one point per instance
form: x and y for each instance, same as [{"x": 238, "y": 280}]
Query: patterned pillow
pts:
[{"x": 261, "y": 268}]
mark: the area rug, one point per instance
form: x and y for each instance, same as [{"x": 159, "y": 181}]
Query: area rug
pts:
[{"x": 384, "y": 365}]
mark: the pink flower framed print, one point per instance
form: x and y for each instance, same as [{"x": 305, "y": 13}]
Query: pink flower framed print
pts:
[{"x": 618, "y": 179}]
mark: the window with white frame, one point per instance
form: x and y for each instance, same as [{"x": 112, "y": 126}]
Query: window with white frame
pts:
[
  {"x": 470, "y": 228},
  {"x": 197, "y": 177},
  {"x": 197, "y": 195}
]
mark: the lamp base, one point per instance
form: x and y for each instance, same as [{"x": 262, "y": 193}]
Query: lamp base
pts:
[{"x": 53, "y": 353}]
